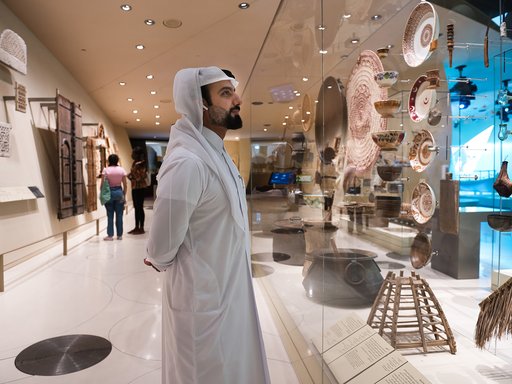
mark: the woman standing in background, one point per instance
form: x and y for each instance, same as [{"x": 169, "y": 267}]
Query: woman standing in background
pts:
[
  {"x": 138, "y": 176},
  {"x": 115, "y": 175}
]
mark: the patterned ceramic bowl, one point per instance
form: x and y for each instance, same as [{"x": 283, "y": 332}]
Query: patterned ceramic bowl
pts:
[
  {"x": 386, "y": 78},
  {"x": 387, "y": 108},
  {"x": 388, "y": 140}
]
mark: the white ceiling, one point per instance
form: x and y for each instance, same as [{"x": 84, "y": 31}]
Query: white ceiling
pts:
[{"x": 272, "y": 43}]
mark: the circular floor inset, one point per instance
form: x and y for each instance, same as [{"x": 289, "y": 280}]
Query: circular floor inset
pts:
[
  {"x": 390, "y": 265},
  {"x": 260, "y": 270},
  {"x": 139, "y": 335},
  {"x": 270, "y": 256},
  {"x": 62, "y": 355}
]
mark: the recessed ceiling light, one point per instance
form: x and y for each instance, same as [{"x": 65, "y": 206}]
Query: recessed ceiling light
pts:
[
  {"x": 389, "y": 46},
  {"x": 172, "y": 23},
  {"x": 321, "y": 27},
  {"x": 322, "y": 52},
  {"x": 376, "y": 17},
  {"x": 126, "y": 7},
  {"x": 153, "y": 92},
  {"x": 354, "y": 40},
  {"x": 156, "y": 106},
  {"x": 149, "y": 77},
  {"x": 290, "y": 107},
  {"x": 305, "y": 78},
  {"x": 157, "y": 123},
  {"x": 297, "y": 94},
  {"x": 347, "y": 16},
  {"x": 265, "y": 129},
  {"x": 149, "y": 22},
  {"x": 157, "y": 116},
  {"x": 243, "y": 5},
  {"x": 137, "y": 119},
  {"x": 287, "y": 117},
  {"x": 129, "y": 99},
  {"x": 122, "y": 83},
  {"x": 284, "y": 122},
  {"x": 135, "y": 111},
  {"x": 140, "y": 47}
]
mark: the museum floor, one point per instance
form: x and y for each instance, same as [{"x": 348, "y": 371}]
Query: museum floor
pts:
[{"x": 102, "y": 288}]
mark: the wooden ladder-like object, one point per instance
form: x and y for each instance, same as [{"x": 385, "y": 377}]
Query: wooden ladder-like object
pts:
[{"x": 408, "y": 315}]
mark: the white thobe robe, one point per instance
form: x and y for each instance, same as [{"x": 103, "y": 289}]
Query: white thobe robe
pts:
[{"x": 200, "y": 237}]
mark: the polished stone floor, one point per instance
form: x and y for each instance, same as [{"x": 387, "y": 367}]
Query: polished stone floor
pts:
[{"x": 102, "y": 288}]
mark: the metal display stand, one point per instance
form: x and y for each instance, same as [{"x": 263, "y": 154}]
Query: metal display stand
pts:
[{"x": 407, "y": 314}]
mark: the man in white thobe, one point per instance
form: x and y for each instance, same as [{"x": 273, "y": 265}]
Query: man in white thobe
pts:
[{"x": 200, "y": 237}]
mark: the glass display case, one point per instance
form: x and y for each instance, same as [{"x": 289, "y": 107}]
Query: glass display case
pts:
[{"x": 382, "y": 175}]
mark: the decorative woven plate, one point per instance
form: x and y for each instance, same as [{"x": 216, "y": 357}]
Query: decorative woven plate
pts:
[
  {"x": 421, "y": 30},
  {"x": 362, "y": 92},
  {"x": 420, "y": 154},
  {"x": 421, "y": 99},
  {"x": 423, "y": 203},
  {"x": 13, "y": 51}
]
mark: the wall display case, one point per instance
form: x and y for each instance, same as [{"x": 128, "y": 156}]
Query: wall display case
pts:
[
  {"x": 69, "y": 139},
  {"x": 405, "y": 183}
]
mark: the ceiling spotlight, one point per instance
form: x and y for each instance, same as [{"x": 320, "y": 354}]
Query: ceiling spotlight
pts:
[
  {"x": 389, "y": 46},
  {"x": 305, "y": 78},
  {"x": 322, "y": 51},
  {"x": 354, "y": 40},
  {"x": 122, "y": 83},
  {"x": 297, "y": 94},
  {"x": 243, "y": 5},
  {"x": 376, "y": 17},
  {"x": 153, "y": 92},
  {"x": 321, "y": 27},
  {"x": 135, "y": 111},
  {"x": 290, "y": 107},
  {"x": 129, "y": 99},
  {"x": 265, "y": 129},
  {"x": 284, "y": 122},
  {"x": 149, "y": 22},
  {"x": 137, "y": 119},
  {"x": 149, "y": 77},
  {"x": 157, "y": 123},
  {"x": 156, "y": 106},
  {"x": 139, "y": 47},
  {"x": 157, "y": 116},
  {"x": 347, "y": 16},
  {"x": 126, "y": 7}
]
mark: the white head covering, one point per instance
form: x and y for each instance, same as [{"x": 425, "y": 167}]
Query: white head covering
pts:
[{"x": 187, "y": 91}]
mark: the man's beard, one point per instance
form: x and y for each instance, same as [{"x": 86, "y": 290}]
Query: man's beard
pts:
[{"x": 223, "y": 118}]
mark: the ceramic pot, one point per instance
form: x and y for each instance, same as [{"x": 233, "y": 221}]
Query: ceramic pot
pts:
[
  {"x": 421, "y": 251},
  {"x": 347, "y": 277},
  {"x": 501, "y": 223},
  {"x": 502, "y": 184},
  {"x": 389, "y": 172}
]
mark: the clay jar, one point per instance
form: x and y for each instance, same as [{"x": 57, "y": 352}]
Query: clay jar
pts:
[{"x": 502, "y": 184}]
